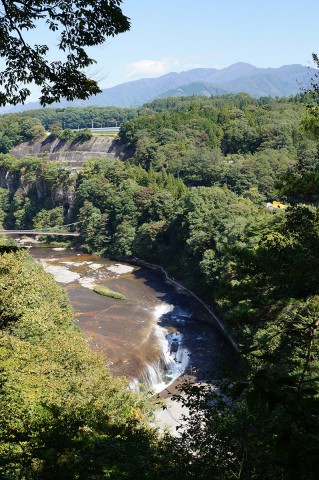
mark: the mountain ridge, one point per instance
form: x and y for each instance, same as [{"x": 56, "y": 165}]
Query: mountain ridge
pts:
[{"x": 238, "y": 77}]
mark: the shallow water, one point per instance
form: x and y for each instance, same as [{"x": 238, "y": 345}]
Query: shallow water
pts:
[{"x": 152, "y": 336}]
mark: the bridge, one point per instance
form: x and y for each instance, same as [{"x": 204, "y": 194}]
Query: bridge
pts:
[
  {"x": 57, "y": 230},
  {"x": 39, "y": 232}
]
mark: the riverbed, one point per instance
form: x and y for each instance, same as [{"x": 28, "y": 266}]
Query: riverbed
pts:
[{"x": 152, "y": 336}]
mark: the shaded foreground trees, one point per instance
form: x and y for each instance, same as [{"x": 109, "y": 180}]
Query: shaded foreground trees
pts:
[{"x": 62, "y": 415}]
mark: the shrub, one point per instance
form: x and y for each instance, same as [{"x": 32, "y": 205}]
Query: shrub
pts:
[
  {"x": 103, "y": 290},
  {"x": 83, "y": 135}
]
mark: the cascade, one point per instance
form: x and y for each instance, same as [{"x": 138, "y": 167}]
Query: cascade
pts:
[{"x": 174, "y": 357}]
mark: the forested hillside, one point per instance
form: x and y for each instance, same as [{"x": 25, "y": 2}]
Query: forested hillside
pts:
[
  {"x": 193, "y": 197},
  {"x": 58, "y": 122}
]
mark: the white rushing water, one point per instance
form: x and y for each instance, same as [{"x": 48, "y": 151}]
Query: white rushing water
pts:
[{"x": 174, "y": 356}]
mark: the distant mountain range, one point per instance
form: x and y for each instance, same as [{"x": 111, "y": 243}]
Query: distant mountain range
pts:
[{"x": 239, "y": 77}]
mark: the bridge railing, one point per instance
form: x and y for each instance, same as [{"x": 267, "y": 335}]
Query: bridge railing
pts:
[
  {"x": 66, "y": 233},
  {"x": 56, "y": 230}
]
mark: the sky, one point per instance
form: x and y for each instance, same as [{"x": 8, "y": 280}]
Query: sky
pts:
[{"x": 177, "y": 35}]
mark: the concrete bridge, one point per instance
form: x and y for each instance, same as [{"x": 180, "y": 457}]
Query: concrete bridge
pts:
[{"x": 39, "y": 232}]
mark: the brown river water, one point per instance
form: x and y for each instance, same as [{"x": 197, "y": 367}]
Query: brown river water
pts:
[{"x": 154, "y": 335}]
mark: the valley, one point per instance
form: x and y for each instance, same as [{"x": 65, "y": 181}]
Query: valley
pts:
[{"x": 185, "y": 186}]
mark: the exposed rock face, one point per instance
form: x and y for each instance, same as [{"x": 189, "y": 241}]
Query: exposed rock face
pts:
[
  {"x": 73, "y": 153},
  {"x": 9, "y": 180},
  {"x": 66, "y": 197},
  {"x": 20, "y": 185}
]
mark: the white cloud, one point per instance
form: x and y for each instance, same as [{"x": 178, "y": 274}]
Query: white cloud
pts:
[{"x": 154, "y": 68}]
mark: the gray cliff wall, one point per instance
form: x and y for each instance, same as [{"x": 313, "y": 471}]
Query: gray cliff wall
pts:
[{"x": 73, "y": 153}]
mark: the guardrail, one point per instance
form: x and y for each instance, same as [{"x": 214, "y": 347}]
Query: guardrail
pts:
[{"x": 39, "y": 232}]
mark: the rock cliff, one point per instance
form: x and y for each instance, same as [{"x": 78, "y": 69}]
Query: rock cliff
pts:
[{"x": 71, "y": 152}]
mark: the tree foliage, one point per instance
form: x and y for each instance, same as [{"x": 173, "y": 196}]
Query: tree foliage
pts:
[
  {"x": 15, "y": 129},
  {"x": 63, "y": 416},
  {"x": 232, "y": 139},
  {"x": 80, "y": 24},
  {"x": 80, "y": 117}
]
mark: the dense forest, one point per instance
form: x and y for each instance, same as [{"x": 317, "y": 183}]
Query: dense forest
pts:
[
  {"x": 33, "y": 124},
  {"x": 196, "y": 197}
]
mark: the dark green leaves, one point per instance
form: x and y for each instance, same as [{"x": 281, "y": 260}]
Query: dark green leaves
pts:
[{"x": 80, "y": 23}]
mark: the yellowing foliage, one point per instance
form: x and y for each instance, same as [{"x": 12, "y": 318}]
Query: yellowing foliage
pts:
[{"x": 57, "y": 397}]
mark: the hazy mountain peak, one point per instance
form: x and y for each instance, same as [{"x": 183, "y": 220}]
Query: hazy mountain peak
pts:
[{"x": 238, "y": 77}]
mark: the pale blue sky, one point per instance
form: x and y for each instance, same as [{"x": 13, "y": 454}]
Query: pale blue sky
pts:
[{"x": 177, "y": 35}]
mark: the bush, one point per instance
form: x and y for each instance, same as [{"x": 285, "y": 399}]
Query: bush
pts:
[
  {"x": 83, "y": 135},
  {"x": 67, "y": 134},
  {"x": 103, "y": 290}
]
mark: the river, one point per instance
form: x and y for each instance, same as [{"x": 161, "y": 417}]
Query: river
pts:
[{"x": 151, "y": 337}]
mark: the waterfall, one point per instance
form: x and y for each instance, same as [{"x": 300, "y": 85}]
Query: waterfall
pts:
[{"x": 174, "y": 357}]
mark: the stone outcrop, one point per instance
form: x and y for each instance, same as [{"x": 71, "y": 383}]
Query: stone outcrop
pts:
[
  {"x": 73, "y": 153},
  {"x": 9, "y": 180}
]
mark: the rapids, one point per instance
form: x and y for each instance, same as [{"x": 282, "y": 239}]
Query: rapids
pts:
[{"x": 153, "y": 336}]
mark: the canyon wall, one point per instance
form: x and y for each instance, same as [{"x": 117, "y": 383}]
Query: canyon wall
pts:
[{"x": 73, "y": 153}]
